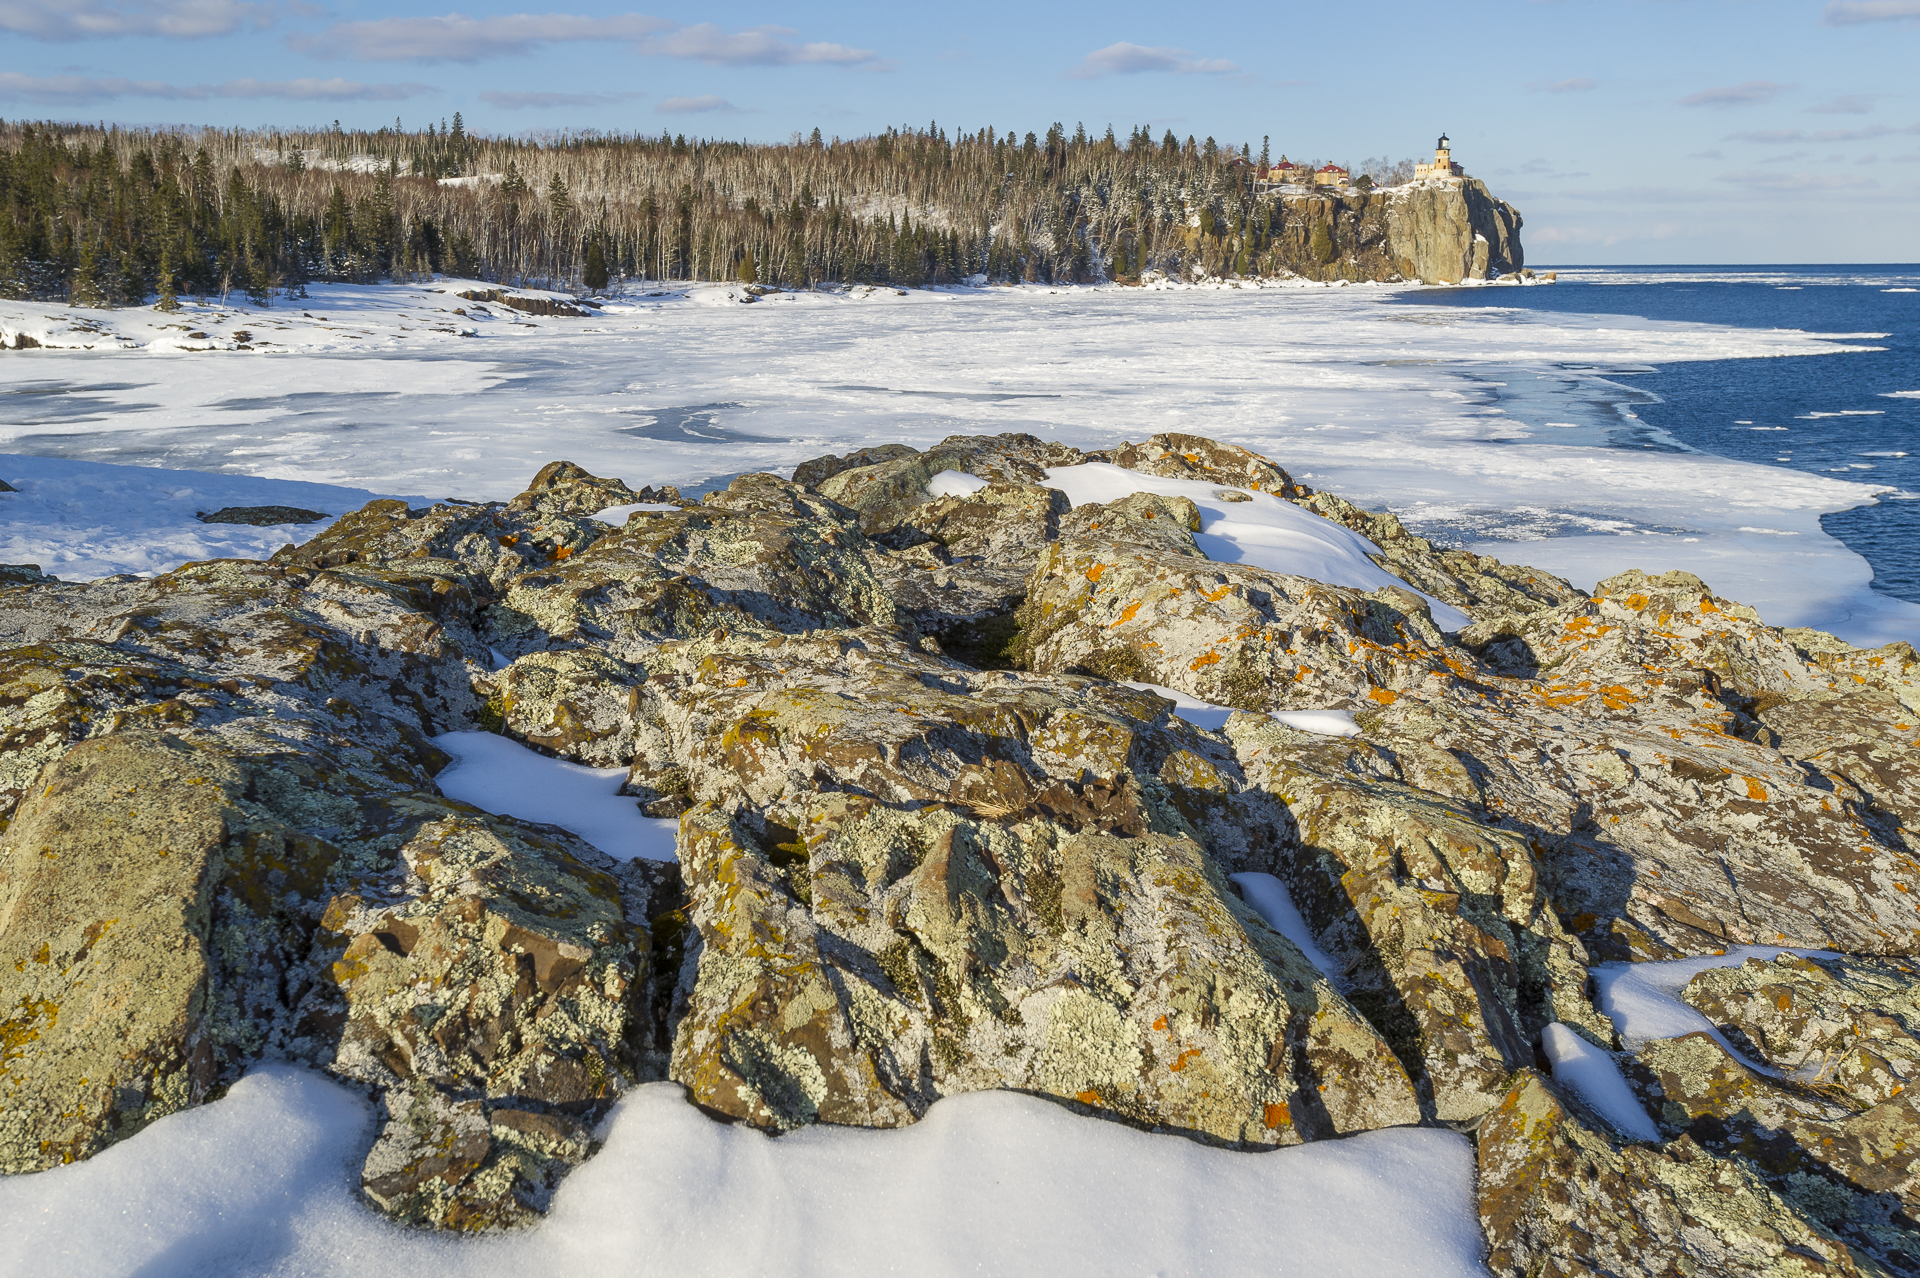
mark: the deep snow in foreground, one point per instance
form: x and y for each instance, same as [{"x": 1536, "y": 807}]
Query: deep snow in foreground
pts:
[
  {"x": 1458, "y": 419},
  {"x": 499, "y": 775},
  {"x": 265, "y": 1181}
]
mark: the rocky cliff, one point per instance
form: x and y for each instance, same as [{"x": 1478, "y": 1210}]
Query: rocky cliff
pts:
[
  {"x": 1435, "y": 232},
  {"x": 929, "y": 844}
]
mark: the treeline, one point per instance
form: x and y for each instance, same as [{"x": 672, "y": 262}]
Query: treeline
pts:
[{"x": 115, "y": 216}]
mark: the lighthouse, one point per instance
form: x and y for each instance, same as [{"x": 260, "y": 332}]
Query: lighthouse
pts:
[{"x": 1442, "y": 166}]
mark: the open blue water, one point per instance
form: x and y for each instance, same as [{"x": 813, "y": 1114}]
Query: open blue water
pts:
[{"x": 1842, "y": 415}]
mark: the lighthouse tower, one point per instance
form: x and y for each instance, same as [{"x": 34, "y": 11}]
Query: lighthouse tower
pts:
[{"x": 1442, "y": 166}]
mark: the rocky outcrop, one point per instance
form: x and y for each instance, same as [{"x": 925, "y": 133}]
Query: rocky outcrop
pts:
[
  {"x": 1560, "y": 1196},
  {"x": 1434, "y": 232},
  {"x": 932, "y": 841}
]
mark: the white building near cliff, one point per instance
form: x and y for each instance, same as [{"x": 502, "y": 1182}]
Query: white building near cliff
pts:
[{"x": 1442, "y": 167}]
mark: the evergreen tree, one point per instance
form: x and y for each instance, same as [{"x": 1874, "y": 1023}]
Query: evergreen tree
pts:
[
  {"x": 85, "y": 289},
  {"x": 594, "y": 273},
  {"x": 167, "y": 300}
]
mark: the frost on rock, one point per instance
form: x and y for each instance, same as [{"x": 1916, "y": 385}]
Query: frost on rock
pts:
[{"x": 939, "y": 834}]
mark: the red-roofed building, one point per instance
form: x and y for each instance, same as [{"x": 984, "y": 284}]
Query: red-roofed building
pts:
[{"x": 1330, "y": 175}]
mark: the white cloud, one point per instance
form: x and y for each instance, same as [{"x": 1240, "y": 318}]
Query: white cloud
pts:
[
  {"x": 1132, "y": 59},
  {"x": 73, "y": 90},
  {"x": 1748, "y": 93},
  {"x": 507, "y": 100},
  {"x": 754, "y": 47},
  {"x": 1715, "y": 154},
  {"x": 455, "y": 37},
  {"x": 1578, "y": 85},
  {"x": 1847, "y": 13},
  {"x": 705, "y": 104},
  {"x": 1846, "y": 104},
  {"x": 100, "y": 19}
]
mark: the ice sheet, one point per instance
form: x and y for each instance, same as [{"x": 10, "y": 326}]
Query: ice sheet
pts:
[
  {"x": 264, "y": 1182},
  {"x": 82, "y": 519},
  {"x": 1385, "y": 402},
  {"x": 1597, "y": 1078},
  {"x": 501, "y": 775}
]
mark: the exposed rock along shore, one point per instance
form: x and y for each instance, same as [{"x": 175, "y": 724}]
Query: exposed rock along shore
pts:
[
  {"x": 930, "y": 843},
  {"x": 1439, "y": 232}
]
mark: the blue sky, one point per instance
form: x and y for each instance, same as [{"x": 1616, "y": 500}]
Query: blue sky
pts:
[{"x": 1624, "y": 130}]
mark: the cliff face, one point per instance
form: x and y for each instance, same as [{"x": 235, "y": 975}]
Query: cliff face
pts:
[{"x": 1436, "y": 232}]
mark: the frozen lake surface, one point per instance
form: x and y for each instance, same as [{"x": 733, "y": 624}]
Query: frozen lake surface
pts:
[{"x": 1508, "y": 415}]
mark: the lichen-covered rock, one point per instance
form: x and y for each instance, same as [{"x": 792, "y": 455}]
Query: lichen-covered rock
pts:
[
  {"x": 1559, "y": 1197},
  {"x": 140, "y": 937},
  {"x": 811, "y": 474},
  {"x": 1852, "y": 1169},
  {"x": 1478, "y": 585},
  {"x": 910, "y": 880},
  {"x": 1126, "y": 594},
  {"x": 562, "y": 488},
  {"x": 578, "y": 703},
  {"x": 898, "y": 957},
  {"x": 495, "y": 1004},
  {"x": 963, "y": 557},
  {"x": 1181, "y": 456},
  {"x": 762, "y": 557},
  {"x": 1844, "y": 1023},
  {"x": 884, "y": 492},
  {"x": 1448, "y": 939}
]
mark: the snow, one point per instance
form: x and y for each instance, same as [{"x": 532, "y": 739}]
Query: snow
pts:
[
  {"x": 1596, "y": 1078},
  {"x": 1201, "y": 714},
  {"x": 264, "y": 1182},
  {"x": 1327, "y": 723},
  {"x": 955, "y": 483},
  {"x": 1644, "y": 998},
  {"x": 1262, "y": 530},
  {"x": 1205, "y": 714},
  {"x": 1390, "y": 404},
  {"x": 617, "y": 515},
  {"x": 499, "y": 775},
  {"x": 1272, "y": 901},
  {"x": 83, "y": 519}
]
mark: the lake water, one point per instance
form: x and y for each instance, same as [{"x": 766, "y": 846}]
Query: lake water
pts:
[{"x": 1854, "y": 416}]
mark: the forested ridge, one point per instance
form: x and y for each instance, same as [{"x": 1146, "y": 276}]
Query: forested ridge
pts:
[{"x": 110, "y": 216}]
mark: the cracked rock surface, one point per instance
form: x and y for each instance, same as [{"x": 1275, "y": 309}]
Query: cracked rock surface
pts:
[{"x": 931, "y": 843}]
